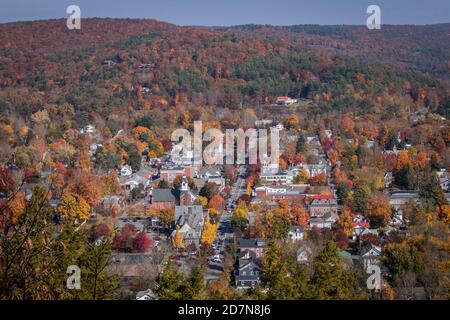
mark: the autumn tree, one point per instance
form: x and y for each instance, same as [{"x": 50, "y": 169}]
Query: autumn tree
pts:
[
  {"x": 345, "y": 222},
  {"x": 216, "y": 202},
  {"x": 36, "y": 252},
  {"x": 178, "y": 240},
  {"x": 200, "y": 200},
  {"x": 239, "y": 215},
  {"x": 299, "y": 216},
  {"x": 302, "y": 176},
  {"x": 74, "y": 206},
  {"x": 378, "y": 208},
  {"x": 209, "y": 232}
]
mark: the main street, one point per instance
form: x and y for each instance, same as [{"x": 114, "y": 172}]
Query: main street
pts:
[
  {"x": 237, "y": 190},
  {"x": 225, "y": 230}
]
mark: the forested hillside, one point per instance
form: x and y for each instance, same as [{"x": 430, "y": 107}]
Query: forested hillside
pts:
[{"x": 86, "y": 118}]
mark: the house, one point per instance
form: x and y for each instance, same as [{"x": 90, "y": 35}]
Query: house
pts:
[
  {"x": 163, "y": 199},
  {"x": 191, "y": 221},
  {"x": 287, "y": 192},
  {"x": 170, "y": 172},
  {"x": 209, "y": 172},
  {"x": 131, "y": 182},
  {"x": 255, "y": 245},
  {"x": 248, "y": 273},
  {"x": 397, "y": 200},
  {"x": 285, "y": 101},
  {"x": 304, "y": 254},
  {"x": 126, "y": 171},
  {"x": 359, "y": 231},
  {"x": 322, "y": 204},
  {"x": 276, "y": 179},
  {"x": 212, "y": 174},
  {"x": 370, "y": 255},
  {"x": 324, "y": 222},
  {"x": 146, "y": 295},
  {"x": 296, "y": 233}
]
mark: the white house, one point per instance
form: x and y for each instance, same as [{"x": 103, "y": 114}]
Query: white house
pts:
[
  {"x": 296, "y": 233},
  {"x": 126, "y": 171}
]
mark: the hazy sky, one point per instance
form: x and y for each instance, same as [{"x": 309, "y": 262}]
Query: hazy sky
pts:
[{"x": 232, "y": 12}]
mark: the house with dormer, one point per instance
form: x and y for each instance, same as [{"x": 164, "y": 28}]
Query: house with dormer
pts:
[{"x": 190, "y": 220}]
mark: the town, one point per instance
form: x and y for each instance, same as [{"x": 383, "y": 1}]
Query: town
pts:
[
  {"x": 348, "y": 199},
  {"x": 174, "y": 212}
]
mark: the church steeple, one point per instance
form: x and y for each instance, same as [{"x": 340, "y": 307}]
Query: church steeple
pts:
[{"x": 184, "y": 184}]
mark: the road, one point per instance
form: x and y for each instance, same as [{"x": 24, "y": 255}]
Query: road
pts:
[
  {"x": 237, "y": 190},
  {"x": 225, "y": 230}
]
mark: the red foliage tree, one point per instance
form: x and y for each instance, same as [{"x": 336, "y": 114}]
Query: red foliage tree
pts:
[{"x": 142, "y": 242}]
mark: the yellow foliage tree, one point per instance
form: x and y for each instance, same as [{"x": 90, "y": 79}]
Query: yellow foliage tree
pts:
[
  {"x": 240, "y": 211},
  {"x": 203, "y": 201},
  {"x": 178, "y": 240},
  {"x": 209, "y": 232},
  {"x": 302, "y": 176},
  {"x": 74, "y": 206},
  {"x": 213, "y": 213}
]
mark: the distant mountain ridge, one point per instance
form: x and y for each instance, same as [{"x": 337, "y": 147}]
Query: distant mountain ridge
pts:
[{"x": 425, "y": 48}]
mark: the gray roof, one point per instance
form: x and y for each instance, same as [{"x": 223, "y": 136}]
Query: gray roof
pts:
[
  {"x": 163, "y": 195},
  {"x": 252, "y": 243},
  {"x": 192, "y": 215},
  {"x": 296, "y": 229}
]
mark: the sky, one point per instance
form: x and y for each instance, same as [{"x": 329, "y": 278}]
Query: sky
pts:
[{"x": 235, "y": 12}]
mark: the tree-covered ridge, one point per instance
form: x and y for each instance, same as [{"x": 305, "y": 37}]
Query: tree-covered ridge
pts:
[{"x": 167, "y": 65}]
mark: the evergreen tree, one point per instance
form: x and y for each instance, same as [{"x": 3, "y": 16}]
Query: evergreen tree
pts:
[{"x": 330, "y": 280}]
